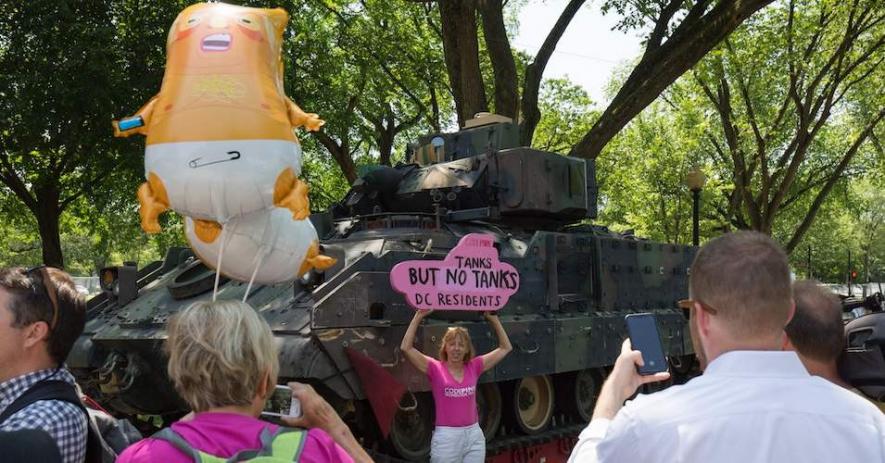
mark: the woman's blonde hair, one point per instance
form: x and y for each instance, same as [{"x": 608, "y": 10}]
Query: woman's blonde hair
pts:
[
  {"x": 452, "y": 333},
  {"x": 220, "y": 353}
]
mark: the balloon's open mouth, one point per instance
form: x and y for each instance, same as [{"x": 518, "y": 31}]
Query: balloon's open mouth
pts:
[{"x": 216, "y": 42}]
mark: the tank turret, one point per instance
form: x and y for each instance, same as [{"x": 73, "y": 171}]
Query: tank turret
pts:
[{"x": 480, "y": 173}]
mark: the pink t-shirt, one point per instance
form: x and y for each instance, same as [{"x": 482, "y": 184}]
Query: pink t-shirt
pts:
[
  {"x": 225, "y": 434},
  {"x": 455, "y": 400}
]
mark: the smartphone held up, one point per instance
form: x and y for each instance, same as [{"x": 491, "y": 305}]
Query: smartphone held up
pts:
[
  {"x": 646, "y": 338},
  {"x": 281, "y": 403}
]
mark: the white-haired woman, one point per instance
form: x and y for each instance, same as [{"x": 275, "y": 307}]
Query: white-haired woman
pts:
[{"x": 223, "y": 363}]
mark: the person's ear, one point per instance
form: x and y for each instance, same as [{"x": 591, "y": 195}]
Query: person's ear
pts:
[
  {"x": 787, "y": 344},
  {"x": 36, "y": 333},
  {"x": 265, "y": 386},
  {"x": 792, "y": 312},
  {"x": 703, "y": 319}
]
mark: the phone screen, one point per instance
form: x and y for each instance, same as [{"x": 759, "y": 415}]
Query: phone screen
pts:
[
  {"x": 281, "y": 403},
  {"x": 644, "y": 337}
]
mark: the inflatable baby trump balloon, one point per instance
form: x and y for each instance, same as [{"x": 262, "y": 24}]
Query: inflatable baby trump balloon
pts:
[
  {"x": 220, "y": 133},
  {"x": 266, "y": 247}
]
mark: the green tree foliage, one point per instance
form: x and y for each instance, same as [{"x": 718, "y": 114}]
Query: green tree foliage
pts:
[
  {"x": 852, "y": 220},
  {"x": 51, "y": 149},
  {"x": 749, "y": 105},
  {"x": 641, "y": 179},
  {"x": 641, "y": 175},
  {"x": 327, "y": 185},
  {"x": 790, "y": 122},
  {"x": 377, "y": 46},
  {"x": 382, "y": 73},
  {"x": 680, "y": 33},
  {"x": 21, "y": 242},
  {"x": 373, "y": 70},
  {"x": 67, "y": 69},
  {"x": 566, "y": 114}
]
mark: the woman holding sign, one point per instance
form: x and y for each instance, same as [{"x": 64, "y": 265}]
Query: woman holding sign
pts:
[{"x": 453, "y": 379}]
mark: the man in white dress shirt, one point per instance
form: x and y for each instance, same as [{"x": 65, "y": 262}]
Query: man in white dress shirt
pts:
[{"x": 754, "y": 402}]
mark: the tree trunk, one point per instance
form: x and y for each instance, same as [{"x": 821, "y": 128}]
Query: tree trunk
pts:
[
  {"x": 661, "y": 65},
  {"x": 386, "y": 133},
  {"x": 385, "y": 149},
  {"x": 461, "y": 49},
  {"x": 386, "y": 130},
  {"x": 341, "y": 154},
  {"x": 48, "y": 213},
  {"x": 501, "y": 56},
  {"x": 531, "y": 115}
]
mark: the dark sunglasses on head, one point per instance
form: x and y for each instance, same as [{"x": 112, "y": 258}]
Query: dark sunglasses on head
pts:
[
  {"x": 39, "y": 276},
  {"x": 687, "y": 304}
]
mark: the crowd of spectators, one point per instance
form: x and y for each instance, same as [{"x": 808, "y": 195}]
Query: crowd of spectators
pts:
[{"x": 768, "y": 348}]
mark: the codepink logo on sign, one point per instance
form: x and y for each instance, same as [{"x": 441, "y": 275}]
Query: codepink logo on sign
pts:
[{"x": 470, "y": 278}]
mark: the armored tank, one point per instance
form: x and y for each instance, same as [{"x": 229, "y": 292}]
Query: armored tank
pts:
[{"x": 566, "y": 322}]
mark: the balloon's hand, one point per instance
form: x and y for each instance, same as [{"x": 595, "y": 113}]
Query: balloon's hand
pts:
[{"x": 313, "y": 122}]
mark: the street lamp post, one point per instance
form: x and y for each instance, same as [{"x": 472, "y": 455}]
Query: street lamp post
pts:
[
  {"x": 695, "y": 220},
  {"x": 695, "y": 180}
]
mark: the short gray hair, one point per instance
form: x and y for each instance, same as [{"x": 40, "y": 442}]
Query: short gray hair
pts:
[{"x": 219, "y": 354}]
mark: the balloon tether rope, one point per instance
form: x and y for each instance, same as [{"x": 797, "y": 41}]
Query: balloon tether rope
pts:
[
  {"x": 254, "y": 273},
  {"x": 218, "y": 265}
]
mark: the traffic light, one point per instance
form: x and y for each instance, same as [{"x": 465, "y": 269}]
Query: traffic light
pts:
[{"x": 853, "y": 275}]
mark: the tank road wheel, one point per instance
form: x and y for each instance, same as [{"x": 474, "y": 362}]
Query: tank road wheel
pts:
[
  {"x": 413, "y": 426},
  {"x": 488, "y": 404},
  {"x": 587, "y": 385},
  {"x": 585, "y": 390},
  {"x": 531, "y": 403},
  {"x": 576, "y": 393}
]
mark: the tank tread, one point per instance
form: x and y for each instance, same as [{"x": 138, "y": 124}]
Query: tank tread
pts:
[
  {"x": 379, "y": 457},
  {"x": 500, "y": 445}
]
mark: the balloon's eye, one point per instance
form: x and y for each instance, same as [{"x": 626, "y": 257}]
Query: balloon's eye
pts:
[
  {"x": 249, "y": 22},
  {"x": 191, "y": 22}
]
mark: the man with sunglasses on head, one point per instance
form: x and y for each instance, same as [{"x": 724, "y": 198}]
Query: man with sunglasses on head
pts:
[
  {"x": 41, "y": 316},
  {"x": 755, "y": 401}
]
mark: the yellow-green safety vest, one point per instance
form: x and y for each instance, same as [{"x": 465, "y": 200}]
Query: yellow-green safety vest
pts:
[{"x": 283, "y": 445}]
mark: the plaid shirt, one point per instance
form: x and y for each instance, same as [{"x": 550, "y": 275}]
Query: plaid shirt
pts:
[{"x": 64, "y": 421}]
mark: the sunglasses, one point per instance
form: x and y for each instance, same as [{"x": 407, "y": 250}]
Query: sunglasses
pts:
[
  {"x": 687, "y": 304},
  {"x": 39, "y": 276}
]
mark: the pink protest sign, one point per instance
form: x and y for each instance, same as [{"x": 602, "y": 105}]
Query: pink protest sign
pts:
[{"x": 470, "y": 278}]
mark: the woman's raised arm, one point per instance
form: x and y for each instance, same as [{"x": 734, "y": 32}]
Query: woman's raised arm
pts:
[
  {"x": 415, "y": 356},
  {"x": 504, "y": 347}
]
